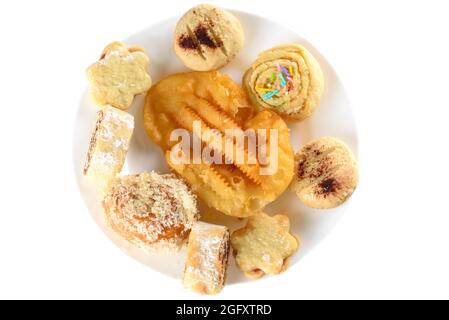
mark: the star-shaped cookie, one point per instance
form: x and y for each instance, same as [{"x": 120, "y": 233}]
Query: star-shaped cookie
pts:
[
  {"x": 262, "y": 246},
  {"x": 119, "y": 75}
]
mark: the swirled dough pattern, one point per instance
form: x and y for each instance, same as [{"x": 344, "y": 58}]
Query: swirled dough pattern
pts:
[{"x": 286, "y": 79}]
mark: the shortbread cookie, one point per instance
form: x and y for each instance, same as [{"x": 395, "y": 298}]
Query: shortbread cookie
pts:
[
  {"x": 108, "y": 145},
  {"x": 262, "y": 246},
  {"x": 325, "y": 173},
  {"x": 152, "y": 211},
  {"x": 207, "y": 258},
  {"x": 207, "y": 38},
  {"x": 286, "y": 79},
  {"x": 119, "y": 75}
]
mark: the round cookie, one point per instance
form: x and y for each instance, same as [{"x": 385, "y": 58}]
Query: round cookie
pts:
[
  {"x": 325, "y": 173},
  {"x": 207, "y": 38},
  {"x": 286, "y": 79},
  {"x": 150, "y": 210}
]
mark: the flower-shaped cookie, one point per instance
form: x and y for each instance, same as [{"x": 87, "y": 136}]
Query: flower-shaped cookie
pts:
[
  {"x": 262, "y": 246},
  {"x": 119, "y": 75}
]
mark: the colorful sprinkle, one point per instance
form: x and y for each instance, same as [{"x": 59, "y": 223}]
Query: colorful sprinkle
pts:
[
  {"x": 274, "y": 86},
  {"x": 278, "y": 67},
  {"x": 283, "y": 82},
  {"x": 269, "y": 95}
]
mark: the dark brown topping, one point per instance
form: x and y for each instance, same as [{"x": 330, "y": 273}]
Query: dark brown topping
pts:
[
  {"x": 202, "y": 35},
  {"x": 301, "y": 168},
  {"x": 204, "y": 38},
  {"x": 197, "y": 44},
  {"x": 187, "y": 42},
  {"x": 328, "y": 186}
]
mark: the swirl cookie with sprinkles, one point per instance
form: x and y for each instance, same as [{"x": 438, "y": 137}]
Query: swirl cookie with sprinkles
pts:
[{"x": 286, "y": 79}]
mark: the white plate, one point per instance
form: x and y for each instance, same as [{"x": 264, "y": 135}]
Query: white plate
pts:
[{"x": 333, "y": 117}]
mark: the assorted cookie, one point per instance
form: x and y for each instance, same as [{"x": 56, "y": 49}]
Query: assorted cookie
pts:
[
  {"x": 263, "y": 245},
  {"x": 108, "y": 146},
  {"x": 159, "y": 212},
  {"x": 207, "y": 38},
  {"x": 207, "y": 258},
  {"x": 119, "y": 75},
  {"x": 286, "y": 79},
  {"x": 152, "y": 211},
  {"x": 325, "y": 173}
]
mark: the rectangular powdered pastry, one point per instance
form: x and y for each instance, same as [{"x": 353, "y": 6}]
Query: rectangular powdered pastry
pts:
[
  {"x": 207, "y": 258},
  {"x": 108, "y": 145}
]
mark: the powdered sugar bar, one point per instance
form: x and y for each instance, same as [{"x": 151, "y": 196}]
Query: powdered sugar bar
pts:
[
  {"x": 207, "y": 258},
  {"x": 108, "y": 145}
]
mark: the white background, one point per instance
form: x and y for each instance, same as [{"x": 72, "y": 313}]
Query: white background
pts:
[{"x": 393, "y": 242}]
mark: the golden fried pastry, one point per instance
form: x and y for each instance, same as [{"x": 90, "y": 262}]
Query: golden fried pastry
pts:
[
  {"x": 207, "y": 258},
  {"x": 207, "y": 38},
  {"x": 262, "y": 246},
  {"x": 286, "y": 79},
  {"x": 152, "y": 211},
  {"x": 325, "y": 173},
  {"x": 215, "y": 104},
  {"x": 119, "y": 75},
  {"x": 108, "y": 145}
]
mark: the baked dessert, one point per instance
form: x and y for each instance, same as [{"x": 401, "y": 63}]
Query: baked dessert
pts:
[
  {"x": 207, "y": 38},
  {"x": 152, "y": 211},
  {"x": 286, "y": 79},
  {"x": 207, "y": 258},
  {"x": 215, "y": 104},
  {"x": 262, "y": 246},
  {"x": 119, "y": 75},
  {"x": 325, "y": 173},
  {"x": 108, "y": 145}
]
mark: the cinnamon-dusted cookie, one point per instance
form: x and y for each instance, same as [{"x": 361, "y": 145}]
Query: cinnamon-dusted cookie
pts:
[
  {"x": 152, "y": 211},
  {"x": 207, "y": 38},
  {"x": 119, "y": 75},
  {"x": 325, "y": 173},
  {"x": 262, "y": 246}
]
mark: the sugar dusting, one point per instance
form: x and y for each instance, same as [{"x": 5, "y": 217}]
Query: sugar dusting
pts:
[
  {"x": 207, "y": 257},
  {"x": 109, "y": 144}
]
